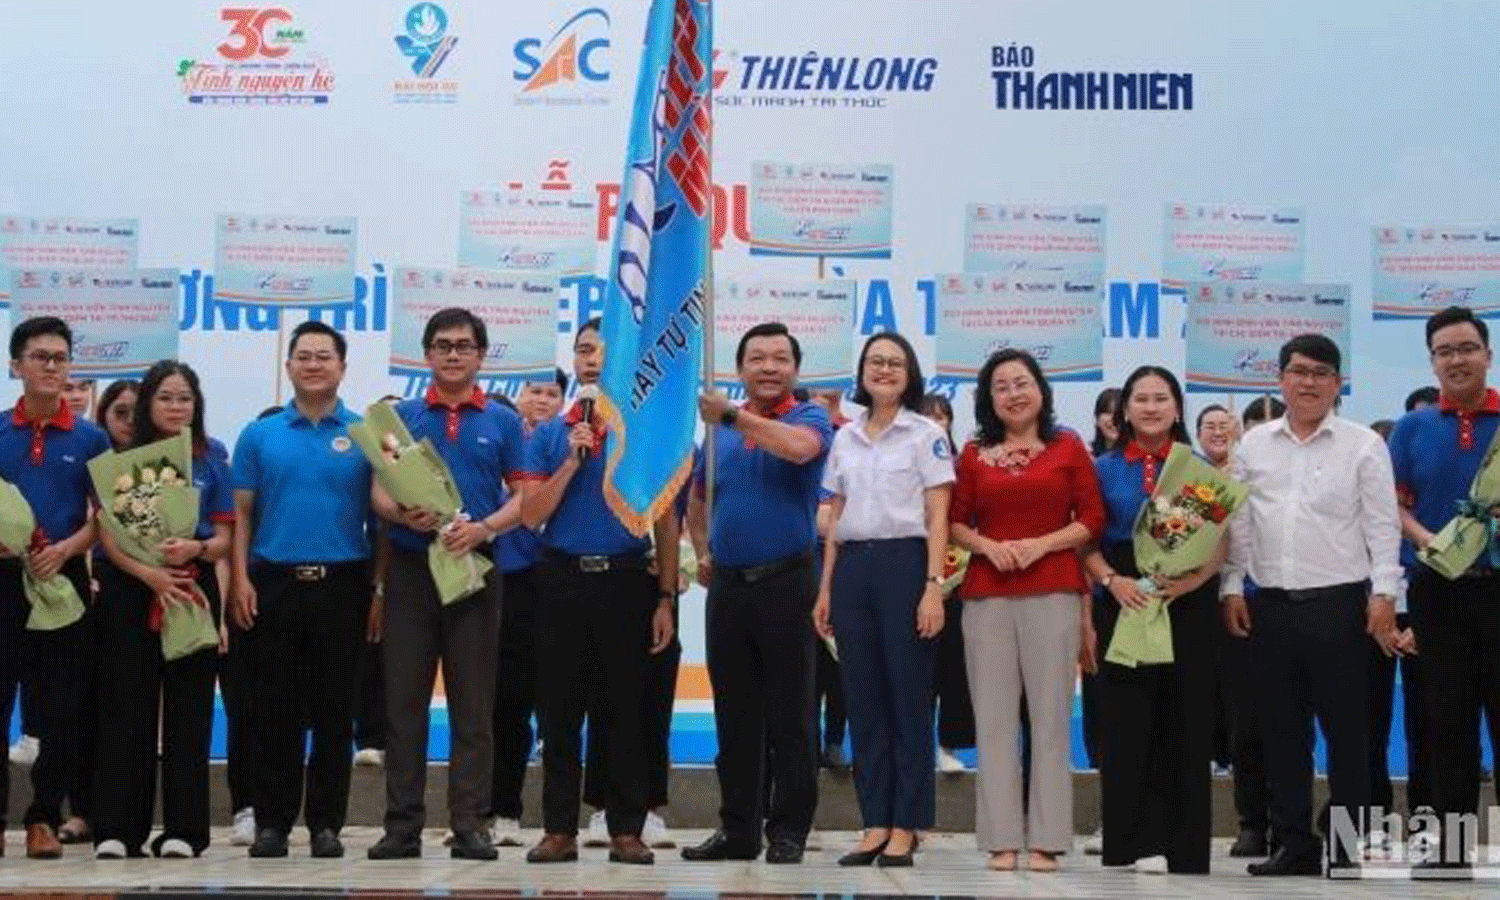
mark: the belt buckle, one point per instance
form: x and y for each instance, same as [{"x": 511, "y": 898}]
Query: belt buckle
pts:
[
  {"x": 309, "y": 573},
  {"x": 593, "y": 564}
]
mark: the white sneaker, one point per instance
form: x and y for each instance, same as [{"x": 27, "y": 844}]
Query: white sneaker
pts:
[
  {"x": 1151, "y": 865},
  {"x": 25, "y": 750},
  {"x": 1093, "y": 845},
  {"x": 598, "y": 835},
  {"x": 369, "y": 756},
  {"x": 948, "y": 763},
  {"x": 242, "y": 832},
  {"x": 175, "y": 848},
  {"x": 506, "y": 833},
  {"x": 654, "y": 833},
  {"x": 110, "y": 849}
]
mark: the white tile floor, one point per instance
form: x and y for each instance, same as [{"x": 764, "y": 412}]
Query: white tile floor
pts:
[{"x": 947, "y": 865}]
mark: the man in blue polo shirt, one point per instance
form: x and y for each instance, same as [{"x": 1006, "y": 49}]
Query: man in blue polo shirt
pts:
[
  {"x": 44, "y": 450},
  {"x": 480, "y": 440},
  {"x": 756, "y": 559},
  {"x": 301, "y": 580},
  {"x": 601, "y": 614},
  {"x": 1435, "y": 453}
]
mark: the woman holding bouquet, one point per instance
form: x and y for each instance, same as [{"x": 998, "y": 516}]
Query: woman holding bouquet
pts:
[
  {"x": 1156, "y": 720},
  {"x": 133, "y": 672},
  {"x": 1025, "y": 499}
]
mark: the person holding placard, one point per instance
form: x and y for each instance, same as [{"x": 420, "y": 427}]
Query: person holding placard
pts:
[
  {"x": 301, "y": 580},
  {"x": 1156, "y": 720},
  {"x": 1320, "y": 536},
  {"x": 1025, "y": 499},
  {"x": 44, "y": 449},
  {"x": 481, "y": 443},
  {"x": 890, "y": 472},
  {"x": 1437, "y": 453},
  {"x": 133, "y": 672}
]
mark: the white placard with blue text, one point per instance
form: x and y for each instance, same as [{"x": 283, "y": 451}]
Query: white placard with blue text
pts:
[
  {"x": 542, "y": 230},
  {"x": 285, "y": 261},
  {"x": 820, "y": 314},
  {"x": 1418, "y": 270},
  {"x": 53, "y": 242},
  {"x": 123, "y": 320},
  {"x": 519, "y": 311},
  {"x": 1054, "y": 316},
  {"x": 1231, "y": 242},
  {"x": 1004, "y": 237},
  {"x": 815, "y": 209},
  {"x": 1235, "y": 330}
]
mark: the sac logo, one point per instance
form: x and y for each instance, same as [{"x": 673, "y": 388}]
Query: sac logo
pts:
[{"x": 575, "y": 57}]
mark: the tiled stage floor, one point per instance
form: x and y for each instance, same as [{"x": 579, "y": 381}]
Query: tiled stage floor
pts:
[{"x": 947, "y": 866}]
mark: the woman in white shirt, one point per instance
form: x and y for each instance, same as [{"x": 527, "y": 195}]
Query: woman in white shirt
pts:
[{"x": 890, "y": 472}]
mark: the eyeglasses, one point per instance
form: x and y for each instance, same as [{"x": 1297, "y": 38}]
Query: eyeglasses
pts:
[
  {"x": 462, "y": 348},
  {"x": 44, "y": 359},
  {"x": 1311, "y": 373},
  {"x": 894, "y": 363},
  {"x": 1448, "y": 352}
]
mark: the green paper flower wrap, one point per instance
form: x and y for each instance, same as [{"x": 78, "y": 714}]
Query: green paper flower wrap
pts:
[
  {"x": 1471, "y": 532},
  {"x": 54, "y": 601}
]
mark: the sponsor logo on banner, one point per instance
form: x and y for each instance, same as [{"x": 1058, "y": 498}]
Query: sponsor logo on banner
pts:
[
  {"x": 767, "y": 80},
  {"x": 1018, "y": 84},
  {"x": 569, "y": 68},
  {"x": 262, "y": 60},
  {"x": 426, "y": 43}
]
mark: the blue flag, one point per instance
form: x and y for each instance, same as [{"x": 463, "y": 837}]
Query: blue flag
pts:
[{"x": 656, "y": 296}]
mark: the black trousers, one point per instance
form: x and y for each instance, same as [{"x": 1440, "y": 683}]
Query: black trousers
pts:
[
  {"x": 369, "y": 704},
  {"x": 515, "y": 692},
  {"x": 1457, "y": 624},
  {"x": 86, "y": 734},
  {"x": 659, "y": 698},
  {"x": 237, "y": 687},
  {"x": 1313, "y": 654},
  {"x": 51, "y": 659},
  {"x": 136, "y": 686},
  {"x": 1100, "y": 607},
  {"x": 306, "y": 648},
  {"x": 761, "y": 663},
  {"x": 955, "y": 708},
  {"x": 828, "y": 699},
  {"x": 593, "y": 633},
  {"x": 1156, "y": 785},
  {"x": 1244, "y": 677},
  {"x": 1382, "y": 708}
]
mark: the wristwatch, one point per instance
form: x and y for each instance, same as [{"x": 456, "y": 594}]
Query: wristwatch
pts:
[
  {"x": 727, "y": 417},
  {"x": 1104, "y": 582},
  {"x": 935, "y": 579}
]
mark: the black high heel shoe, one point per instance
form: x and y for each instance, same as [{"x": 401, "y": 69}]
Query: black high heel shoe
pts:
[{"x": 864, "y": 857}]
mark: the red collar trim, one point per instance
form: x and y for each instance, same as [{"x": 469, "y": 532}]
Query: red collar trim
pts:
[
  {"x": 575, "y": 415},
  {"x": 62, "y": 420},
  {"x": 787, "y": 404},
  {"x": 1136, "y": 453},
  {"x": 1490, "y": 405},
  {"x": 475, "y": 400}
]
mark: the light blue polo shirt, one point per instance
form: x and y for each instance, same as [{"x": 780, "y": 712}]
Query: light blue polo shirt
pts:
[{"x": 311, "y": 485}]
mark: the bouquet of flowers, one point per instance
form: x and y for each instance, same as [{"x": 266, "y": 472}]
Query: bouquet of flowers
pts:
[
  {"x": 1472, "y": 530},
  {"x": 146, "y": 495},
  {"x": 1176, "y": 533},
  {"x": 415, "y": 475},
  {"x": 955, "y": 566},
  {"x": 54, "y": 601}
]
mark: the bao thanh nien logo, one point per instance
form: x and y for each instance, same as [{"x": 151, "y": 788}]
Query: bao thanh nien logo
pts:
[
  {"x": 569, "y": 68},
  {"x": 426, "y": 43},
  {"x": 1021, "y": 81},
  {"x": 262, "y": 59}
]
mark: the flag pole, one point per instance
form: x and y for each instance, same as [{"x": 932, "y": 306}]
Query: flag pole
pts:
[{"x": 710, "y": 460}]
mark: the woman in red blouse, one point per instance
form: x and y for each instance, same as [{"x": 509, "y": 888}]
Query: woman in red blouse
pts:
[{"x": 1025, "y": 498}]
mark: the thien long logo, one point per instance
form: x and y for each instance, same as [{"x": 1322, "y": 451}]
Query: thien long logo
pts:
[
  {"x": 813, "y": 79},
  {"x": 574, "y": 55},
  {"x": 1019, "y": 86}
]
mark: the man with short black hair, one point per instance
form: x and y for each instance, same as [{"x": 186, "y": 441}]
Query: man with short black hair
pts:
[
  {"x": 1319, "y": 534},
  {"x": 756, "y": 559},
  {"x": 301, "y": 580},
  {"x": 44, "y": 451}
]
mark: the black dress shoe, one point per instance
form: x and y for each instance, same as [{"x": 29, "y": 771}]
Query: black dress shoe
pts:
[
  {"x": 269, "y": 844},
  {"x": 720, "y": 847},
  {"x": 472, "y": 845},
  {"x": 897, "y": 861},
  {"x": 783, "y": 852},
  {"x": 396, "y": 846},
  {"x": 862, "y": 857},
  {"x": 326, "y": 844},
  {"x": 1285, "y": 862},
  {"x": 1250, "y": 843}
]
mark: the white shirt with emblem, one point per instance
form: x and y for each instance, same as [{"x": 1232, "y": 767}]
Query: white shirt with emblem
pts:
[{"x": 882, "y": 480}]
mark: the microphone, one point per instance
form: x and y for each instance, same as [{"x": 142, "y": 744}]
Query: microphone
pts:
[{"x": 587, "y": 395}]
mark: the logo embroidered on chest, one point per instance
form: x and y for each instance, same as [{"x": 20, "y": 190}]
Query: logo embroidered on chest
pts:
[{"x": 340, "y": 444}]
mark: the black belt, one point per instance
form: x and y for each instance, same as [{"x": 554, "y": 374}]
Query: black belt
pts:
[
  {"x": 752, "y": 574},
  {"x": 593, "y": 565},
  {"x": 312, "y": 573},
  {"x": 1305, "y": 595}
]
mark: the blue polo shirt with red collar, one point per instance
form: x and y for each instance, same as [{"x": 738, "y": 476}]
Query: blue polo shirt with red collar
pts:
[
  {"x": 1435, "y": 453},
  {"x": 47, "y": 460},
  {"x": 215, "y": 484},
  {"x": 765, "y": 508},
  {"x": 518, "y": 549},
  {"x": 311, "y": 486},
  {"x": 481, "y": 442},
  {"x": 583, "y": 524}
]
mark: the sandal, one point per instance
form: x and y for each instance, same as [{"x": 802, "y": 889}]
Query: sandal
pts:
[
  {"x": 75, "y": 831},
  {"x": 1003, "y": 860},
  {"x": 1043, "y": 861}
]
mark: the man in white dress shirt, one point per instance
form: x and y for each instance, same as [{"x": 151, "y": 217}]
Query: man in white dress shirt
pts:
[{"x": 1320, "y": 534}]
